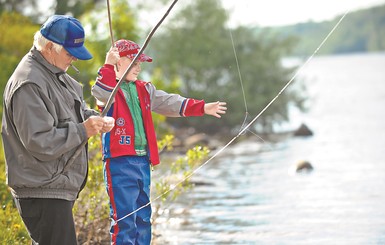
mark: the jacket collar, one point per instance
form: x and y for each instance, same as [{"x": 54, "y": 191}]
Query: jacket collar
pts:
[{"x": 36, "y": 55}]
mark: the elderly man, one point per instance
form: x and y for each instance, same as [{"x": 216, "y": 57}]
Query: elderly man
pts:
[{"x": 44, "y": 121}]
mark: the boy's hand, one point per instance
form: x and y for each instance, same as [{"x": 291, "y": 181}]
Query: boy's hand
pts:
[
  {"x": 215, "y": 108},
  {"x": 112, "y": 56}
]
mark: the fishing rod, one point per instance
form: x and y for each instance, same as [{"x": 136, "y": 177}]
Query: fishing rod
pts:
[{"x": 110, "y": 27}]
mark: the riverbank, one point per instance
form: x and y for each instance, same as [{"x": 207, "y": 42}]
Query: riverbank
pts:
[{"x": 187, "y": 138}]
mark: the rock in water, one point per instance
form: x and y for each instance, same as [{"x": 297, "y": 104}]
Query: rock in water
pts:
[
  {"x": 302, "y": 166},
  {"x": 303, "y": 130}
]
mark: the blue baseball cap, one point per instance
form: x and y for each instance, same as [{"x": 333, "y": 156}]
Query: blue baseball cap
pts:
[{"x": 68, "y": 32}]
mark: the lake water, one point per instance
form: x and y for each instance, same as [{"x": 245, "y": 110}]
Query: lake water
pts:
[{"x": 254, "y": 198}]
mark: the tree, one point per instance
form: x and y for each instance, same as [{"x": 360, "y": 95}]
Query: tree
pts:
[
  {"x": 33, "y": 10},
  {"x": 15, "y": 40},
  {"x": 75, "y": 8},
  {"x": 196, "y": 47},
  {"x": 29, "y": 7}
]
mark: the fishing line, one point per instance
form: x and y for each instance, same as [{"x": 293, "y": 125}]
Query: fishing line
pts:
[
  {"x": 240, "y": 79},
  {"x": 242, "y": 130},
  {"x": 242, "y": 87}
]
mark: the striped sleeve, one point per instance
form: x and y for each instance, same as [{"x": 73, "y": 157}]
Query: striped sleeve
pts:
[
  {"x": 174, "y": 105},
  {"x": 192, "y": 107}
]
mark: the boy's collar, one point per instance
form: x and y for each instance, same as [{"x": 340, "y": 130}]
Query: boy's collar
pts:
[{"x": 118, "y": 79}]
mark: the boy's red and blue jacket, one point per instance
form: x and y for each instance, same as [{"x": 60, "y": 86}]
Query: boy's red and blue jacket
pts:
[{"x": 120, "y": 140}]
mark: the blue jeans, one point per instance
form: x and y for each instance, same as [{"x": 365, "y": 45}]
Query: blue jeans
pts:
[{"x": 128, "y": 186}]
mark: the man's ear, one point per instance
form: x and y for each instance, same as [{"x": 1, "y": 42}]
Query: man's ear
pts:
[{"x": 49, "y": 46}]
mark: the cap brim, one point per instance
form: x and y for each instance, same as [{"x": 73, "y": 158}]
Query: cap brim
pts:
[
  {"x": 80, "y": 53},
  {"x": 142, "y": 57},
  {"x": 145, "y": 58}
]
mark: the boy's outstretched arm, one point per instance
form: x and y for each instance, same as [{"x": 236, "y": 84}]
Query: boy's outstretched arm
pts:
[{"x": 215, "y": 108}]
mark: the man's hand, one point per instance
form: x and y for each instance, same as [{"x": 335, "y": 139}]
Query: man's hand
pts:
[
  {"x": 96, "y": 124},
  {"x": 109, "y": 123}
]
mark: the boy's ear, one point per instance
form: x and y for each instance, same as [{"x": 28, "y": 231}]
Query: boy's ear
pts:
[{"x": 119, "y": 63}]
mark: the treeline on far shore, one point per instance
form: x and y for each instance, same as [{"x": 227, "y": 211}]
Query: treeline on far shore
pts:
[{"x": 359, "y": 31}]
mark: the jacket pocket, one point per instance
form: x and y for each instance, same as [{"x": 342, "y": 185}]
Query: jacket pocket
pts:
[
  {"x": 63, "y": 123},
  {"x": 59, "y": 165}
]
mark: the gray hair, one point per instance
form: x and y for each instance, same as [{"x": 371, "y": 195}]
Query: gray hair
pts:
[{"x": 39, "y": 41}]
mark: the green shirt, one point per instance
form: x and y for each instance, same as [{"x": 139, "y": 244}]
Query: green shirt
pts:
[{"x": 132, "y": 99}]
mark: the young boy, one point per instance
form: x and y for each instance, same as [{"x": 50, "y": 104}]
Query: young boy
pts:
[{"x": 130, "y": 148}]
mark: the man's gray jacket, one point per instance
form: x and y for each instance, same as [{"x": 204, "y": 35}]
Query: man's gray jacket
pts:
[{"x": 43, "y": 111}]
